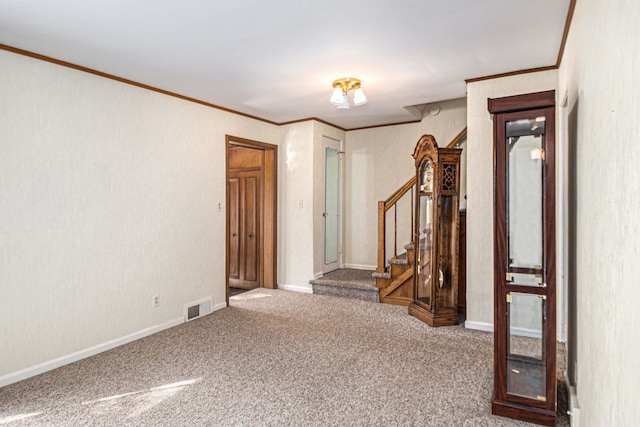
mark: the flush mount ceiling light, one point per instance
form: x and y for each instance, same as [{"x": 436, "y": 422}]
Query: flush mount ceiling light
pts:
[{"x": 341, "y": 89}]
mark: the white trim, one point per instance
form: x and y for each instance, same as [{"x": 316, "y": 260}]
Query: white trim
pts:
[
  {"x": 219, "y": 306},
  {"x": 50, "y": 365},
  {"x": 574, "y": 406},
  {"x": 479, "y": 326},
  {"x": 529, "y": 333},
  {"x": 318, "y": 275},
  {"x": 83, "y": 354},
  {"x": 488, "y": 327},
  {"x": 360, "y": 266},
  {"x": 305, "y": 289}
]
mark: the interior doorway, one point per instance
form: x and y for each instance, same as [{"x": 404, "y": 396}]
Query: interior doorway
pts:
[
  {"x": 332, "y": 205},
  {"x": 251, "y": 195}
]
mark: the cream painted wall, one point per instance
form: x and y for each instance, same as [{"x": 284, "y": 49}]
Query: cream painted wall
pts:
[
  {"x": 296, "y": 223},
  {"x": 378, "y": 161},
  {"x": 480, "y": 186},
  {"x": 108, "y": 197},
  {"x": 600, "y": 77}
]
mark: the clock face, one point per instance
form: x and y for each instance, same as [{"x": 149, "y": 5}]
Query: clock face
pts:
[{"x": 427, "y": 177}]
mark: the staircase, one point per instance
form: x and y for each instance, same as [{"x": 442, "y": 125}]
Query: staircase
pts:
[
  {"x": 392, "y": 281},
  {"x": 394, "y": 276}
]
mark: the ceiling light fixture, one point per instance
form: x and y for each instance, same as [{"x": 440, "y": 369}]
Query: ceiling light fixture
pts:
[{"x": 340, "y": 96}]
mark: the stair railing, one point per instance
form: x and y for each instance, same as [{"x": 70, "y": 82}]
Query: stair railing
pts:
[
  {"x": 391, "y": 202},
  {"x": 383, "y": 208}
]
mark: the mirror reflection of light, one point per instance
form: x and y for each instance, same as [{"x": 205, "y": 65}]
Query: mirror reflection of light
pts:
[{"x": 12, "y": 418}]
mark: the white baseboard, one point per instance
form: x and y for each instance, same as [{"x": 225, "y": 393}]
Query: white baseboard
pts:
[
  {"x": 360, "y": 266},
  {"x": 488, "y": 327},
  {"x": 318, "y": 275},
  {"x": 92, "y": 351},
  {"x": 219, "y": 306},
  {"x": 305, "y": 289},
  {"x": 574, "y": 406},
  {"x": 83, "y": 354},
  {"x": 479, "y": 326}
]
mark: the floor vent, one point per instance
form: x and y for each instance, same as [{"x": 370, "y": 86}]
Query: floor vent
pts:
[{"x": 198, "y": 309}]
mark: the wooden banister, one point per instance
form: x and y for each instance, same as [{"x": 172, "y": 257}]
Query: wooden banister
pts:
[
  {"x": 383, "y": 207},
  {"x": 391, "y": 202},
  {"x": 458, "y": 139},
  {"x": 393, "y": 199}
]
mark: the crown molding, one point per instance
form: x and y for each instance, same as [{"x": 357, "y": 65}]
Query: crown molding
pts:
[{"x": 126, "y": 81}]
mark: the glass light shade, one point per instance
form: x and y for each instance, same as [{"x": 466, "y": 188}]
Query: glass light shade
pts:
[
  {"x": 336, "y": 97},
  {"x": 358, "y": 97},
  {"x": 345, "y": 101}
]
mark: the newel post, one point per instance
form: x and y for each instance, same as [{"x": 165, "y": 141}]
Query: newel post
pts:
[{"x": 381, "y": 238}]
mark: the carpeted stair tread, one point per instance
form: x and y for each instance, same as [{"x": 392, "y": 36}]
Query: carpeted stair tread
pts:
[
  {"x": 401, "y": 259},
  {"x": 383, "y": 275},
  {"x": 347, "y": 283}
]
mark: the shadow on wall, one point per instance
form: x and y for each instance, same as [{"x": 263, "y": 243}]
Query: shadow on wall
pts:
[{"x": 572, "y": 291}]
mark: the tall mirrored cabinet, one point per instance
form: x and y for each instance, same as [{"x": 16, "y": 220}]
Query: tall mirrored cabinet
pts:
[
  {"x": 436, "y": 231},
  {"x": 524, "y": 257}
]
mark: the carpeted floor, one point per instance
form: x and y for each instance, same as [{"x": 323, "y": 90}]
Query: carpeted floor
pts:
[{"x": 275, "y": 358}]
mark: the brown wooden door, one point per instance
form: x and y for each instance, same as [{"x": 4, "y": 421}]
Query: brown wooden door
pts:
[{"x": 245, "y": 195}]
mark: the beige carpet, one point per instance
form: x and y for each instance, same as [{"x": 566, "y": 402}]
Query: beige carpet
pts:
[{"x": 275, "y": 358}]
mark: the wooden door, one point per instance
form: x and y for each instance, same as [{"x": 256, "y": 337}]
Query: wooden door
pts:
[{"x": 245, "y": 196}]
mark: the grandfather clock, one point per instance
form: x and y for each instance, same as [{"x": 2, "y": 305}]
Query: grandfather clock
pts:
[
  {"x": 524, "y": 257},
  {"x": 435, "y": 292}
]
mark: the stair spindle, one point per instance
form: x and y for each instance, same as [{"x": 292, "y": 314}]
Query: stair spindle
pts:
[
  {"x": 395, "y": 231},
  {"x": 412, "y": 221}
]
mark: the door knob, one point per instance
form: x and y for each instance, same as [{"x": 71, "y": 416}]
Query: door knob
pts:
[
  {"x": 233, "y": 234},
  {"x": 324, "y": 214},
  {"x": 250, "y": 236}
]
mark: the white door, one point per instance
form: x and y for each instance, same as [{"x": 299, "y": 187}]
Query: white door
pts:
[{"x": 332, "y": 205}]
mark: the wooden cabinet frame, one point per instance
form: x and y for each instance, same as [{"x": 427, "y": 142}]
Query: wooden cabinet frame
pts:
[{"x": 539, "y": 409}]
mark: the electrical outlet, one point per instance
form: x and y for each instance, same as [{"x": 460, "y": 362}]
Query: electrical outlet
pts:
[
  {"x": 219, "y": 206},
  {"x": 155, "y": 301}
]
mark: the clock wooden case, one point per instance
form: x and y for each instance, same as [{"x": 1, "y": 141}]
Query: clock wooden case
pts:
[{"x": 435, "y": 292}]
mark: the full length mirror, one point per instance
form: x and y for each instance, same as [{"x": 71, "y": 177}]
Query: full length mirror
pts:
[{"x": 525, "y": 175}]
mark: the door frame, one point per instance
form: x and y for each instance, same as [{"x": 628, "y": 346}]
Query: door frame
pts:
[
  {"x": 328, "y": 142},
  {"x": 268, "y": 229}
]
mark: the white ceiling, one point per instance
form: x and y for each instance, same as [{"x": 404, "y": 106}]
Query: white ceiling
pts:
[{"x": 276, "y": 59}]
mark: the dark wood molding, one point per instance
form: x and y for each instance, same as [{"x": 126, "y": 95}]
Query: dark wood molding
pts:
[
  {"x": 243, "y": 142},
  {"x": 152, "y": 88},
  {"x": 127, "y": 81},
  {"x": 563, "y": 43},
  {"x": 523, "y": 102},
  {"x": 385, "y": 125},
  {"x": 309, "y": 119},
  {"x": 511, "y": 73},
  {"x": 565, "y": 34},
  {"x": 228, "y": 110}
]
